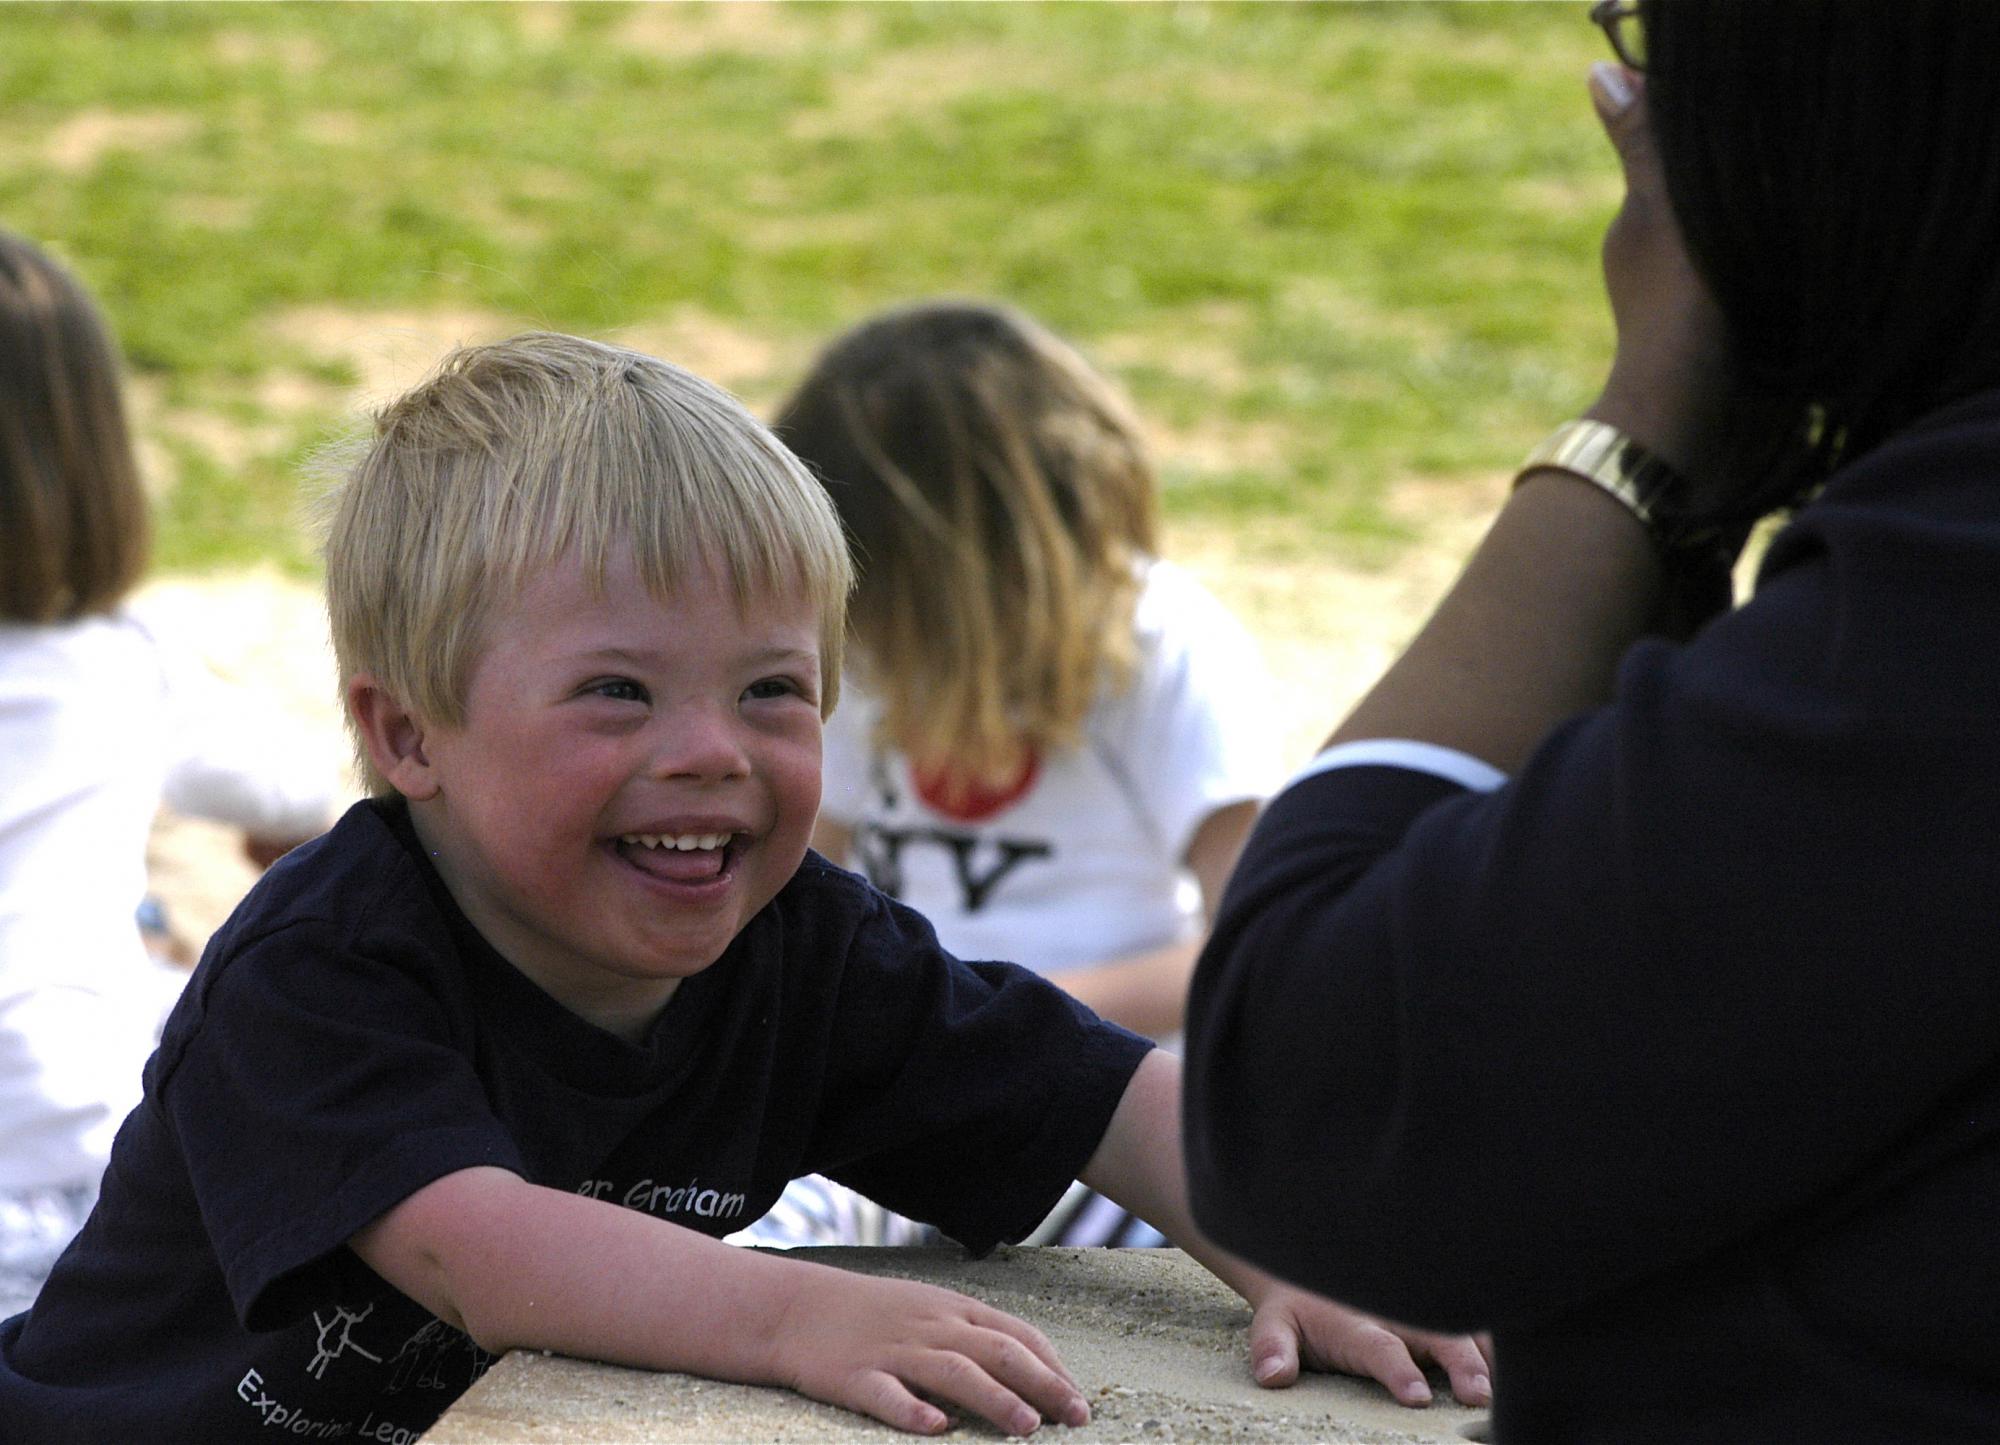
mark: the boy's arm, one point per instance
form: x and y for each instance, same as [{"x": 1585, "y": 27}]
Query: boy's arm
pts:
[
  {"x": 519, "y": 1265},
  {"x": 1139, "y": 1165}
]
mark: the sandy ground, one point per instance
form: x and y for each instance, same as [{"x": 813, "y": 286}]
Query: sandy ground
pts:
[
  {"x": 1155, "y": 1343},
  {"x": 1326, "y": 630}
]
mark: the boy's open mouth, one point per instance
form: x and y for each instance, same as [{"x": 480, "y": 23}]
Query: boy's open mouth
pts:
[{"x": 682, "y": 858}]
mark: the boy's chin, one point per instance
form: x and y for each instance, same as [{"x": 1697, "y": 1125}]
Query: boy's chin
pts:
[{"x": 679, "y": 960}]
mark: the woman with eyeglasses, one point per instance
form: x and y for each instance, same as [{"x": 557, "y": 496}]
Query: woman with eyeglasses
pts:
[{"x": 1624, "y": 979}]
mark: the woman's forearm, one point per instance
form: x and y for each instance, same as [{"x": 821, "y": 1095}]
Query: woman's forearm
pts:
[{"x": 1531, "y": 633}]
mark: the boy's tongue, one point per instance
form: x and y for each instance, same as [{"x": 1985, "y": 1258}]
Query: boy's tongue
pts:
[{"x": 696, "y": 865}]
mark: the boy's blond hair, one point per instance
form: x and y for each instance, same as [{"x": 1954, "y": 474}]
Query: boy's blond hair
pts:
[
  {"x": 514, "y": 455},
  {"x": 74, "y": 529},
  {"x": 1002, "y": 506}
]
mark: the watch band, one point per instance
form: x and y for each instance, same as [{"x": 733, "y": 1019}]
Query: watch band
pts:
[{"x": 1609, "y": 459}]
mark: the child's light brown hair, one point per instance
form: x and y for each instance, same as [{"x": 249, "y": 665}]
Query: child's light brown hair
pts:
[
  {"x": 517, "y": 454},
  {"x": 1001, "y": 505},
  {"x": 74, "y": 530}
]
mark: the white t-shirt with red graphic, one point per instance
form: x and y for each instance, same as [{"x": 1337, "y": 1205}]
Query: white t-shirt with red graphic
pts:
[{"x": 1083, "y": 864}]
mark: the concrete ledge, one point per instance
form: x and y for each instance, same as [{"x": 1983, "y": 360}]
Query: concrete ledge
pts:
[{"x": 1156, "y": 1342}]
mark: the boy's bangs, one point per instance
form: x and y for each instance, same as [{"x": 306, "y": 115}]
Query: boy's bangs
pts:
[{"x": 686, "y": 487}]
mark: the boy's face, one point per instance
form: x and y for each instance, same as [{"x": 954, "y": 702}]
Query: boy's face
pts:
[{"x": 634, "y": 780}]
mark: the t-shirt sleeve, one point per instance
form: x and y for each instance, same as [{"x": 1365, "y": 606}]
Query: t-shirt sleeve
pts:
[
  {"x": 1471, "y": 1058},
  {"x": 311, "y": 1090},
  {"x": 967, "y": 1095},
  {"x": 1194, "y": 732}
]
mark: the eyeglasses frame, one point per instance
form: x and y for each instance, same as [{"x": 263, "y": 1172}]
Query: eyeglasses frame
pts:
[{"x": 1608, "y": 15}]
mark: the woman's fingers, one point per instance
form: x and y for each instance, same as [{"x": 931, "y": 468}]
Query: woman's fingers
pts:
[
  {"x": 1670, "y": 379},
  {"x": 1619, "y": 96},
  {"x": 1616, "y": 91},
  {"x": 1643, "y": 237}
]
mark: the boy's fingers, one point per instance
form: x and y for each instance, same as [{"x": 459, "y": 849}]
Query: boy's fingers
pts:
[
  {"x": 950, "y": 1375},
  {"x": 1027, "y": 1335},
  {"x": 1470, "y": 1371},
  {"x": 1048, "y": 1388},
  {"x": 881, "y": 1395},
  {"x": 1373, "y": 1349},
  {"x": 1274, "y": 1349}
]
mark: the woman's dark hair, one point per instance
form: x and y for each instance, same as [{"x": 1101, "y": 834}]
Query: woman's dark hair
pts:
[
  {"x": 73, "y": 518},
  {"x": 1835, "y": 167}
]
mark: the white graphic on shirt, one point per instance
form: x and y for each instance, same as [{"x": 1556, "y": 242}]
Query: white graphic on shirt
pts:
[
  {"x": 652, "y": 1197},
  {"x": 979, "y": 863},
  {"x": 879, "y": 846},
  {"x": 344, "y": 1320},
  {"x": 438, "y": 1357}
]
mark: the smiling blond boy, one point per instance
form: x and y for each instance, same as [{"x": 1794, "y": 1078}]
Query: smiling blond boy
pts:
[{"x": 496, "y": 1062}]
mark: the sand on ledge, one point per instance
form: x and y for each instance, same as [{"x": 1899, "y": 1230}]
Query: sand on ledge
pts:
[{"x": 1156, "y": 1343}]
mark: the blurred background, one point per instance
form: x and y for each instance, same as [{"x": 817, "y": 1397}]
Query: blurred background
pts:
[{"x": 1342, "y": 256}]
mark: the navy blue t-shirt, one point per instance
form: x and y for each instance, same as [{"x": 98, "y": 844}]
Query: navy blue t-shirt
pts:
[{"x": 349, "y": 1038}]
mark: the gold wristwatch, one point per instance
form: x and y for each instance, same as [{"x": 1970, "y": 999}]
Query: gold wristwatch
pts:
[{"x": 1606, "y": 457}]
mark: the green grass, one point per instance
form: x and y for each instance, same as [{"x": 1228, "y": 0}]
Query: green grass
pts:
[{"x": 1324, "y": 246}]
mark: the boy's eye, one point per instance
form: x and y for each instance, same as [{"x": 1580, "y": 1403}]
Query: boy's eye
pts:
[
  {"x": 618, "y": 689},
  {"x": 769, "y": 687}
]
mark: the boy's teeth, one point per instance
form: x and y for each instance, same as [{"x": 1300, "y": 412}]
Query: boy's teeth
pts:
[{"x": 684, "y": 842}]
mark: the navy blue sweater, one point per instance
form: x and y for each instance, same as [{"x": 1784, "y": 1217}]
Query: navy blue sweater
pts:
[{"x": 1675, "y": 1062}]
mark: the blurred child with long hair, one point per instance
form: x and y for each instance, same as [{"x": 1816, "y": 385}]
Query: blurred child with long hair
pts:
[
  {"x": 1056, "y": 742},
  {"x": 98, "y": 725}
]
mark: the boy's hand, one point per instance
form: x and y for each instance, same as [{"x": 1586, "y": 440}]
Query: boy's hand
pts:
[
  {"x": 888, "y": 1347},
  {"x": 609, "y": 1283},
  {"x": 1289, "y": 1326},
  {"x": 1139, "y": 1165}
]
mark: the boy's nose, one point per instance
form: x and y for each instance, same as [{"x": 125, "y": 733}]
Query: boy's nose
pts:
[{"x": 700, "y": 743}]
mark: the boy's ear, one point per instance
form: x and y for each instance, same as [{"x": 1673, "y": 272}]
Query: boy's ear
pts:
[{"x": 394, "y": 737}]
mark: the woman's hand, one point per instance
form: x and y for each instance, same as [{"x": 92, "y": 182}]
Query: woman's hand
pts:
[
  {"x": 1671, "y": 385},
  {"x": 1291, "y": 1327}
]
